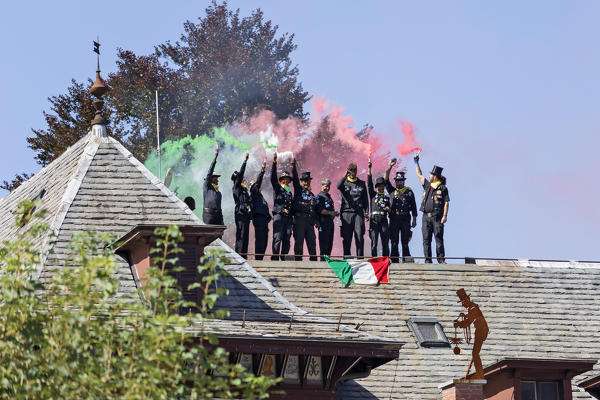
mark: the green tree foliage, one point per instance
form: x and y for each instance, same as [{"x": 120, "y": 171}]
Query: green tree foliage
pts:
[
  {"x": 223, "y": 68},
  {"x": 72, "y": 337}
]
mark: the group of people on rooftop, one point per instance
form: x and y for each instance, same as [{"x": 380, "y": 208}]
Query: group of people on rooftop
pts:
[{"x": 297, "y": 211}]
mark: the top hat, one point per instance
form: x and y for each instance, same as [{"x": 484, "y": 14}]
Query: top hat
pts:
[
  {"x": 234, "y": 175},
  {"x": 379, "y": 181},
  {"x": 352, "y": 167},
  {"x": 462, "y": 295},
  {"x": 437, "y": 171},
  {"x": 214, "y": 175},
  {"x": 285, "y": 174},
  {"x": 305, "y": 176},
  {"x": 400, "y": 176}
]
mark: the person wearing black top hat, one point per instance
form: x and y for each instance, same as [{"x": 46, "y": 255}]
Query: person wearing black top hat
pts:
[
  {"x": 354, "y": 211},
  {"x": 211, "y": 212},
  {"x": 403, "y": 206},
  {"x": 380, "y": 207},
  {"x": 304, "y": 215},
  {"x": 282, "y": 212},
  {"x": 435, "y": 210},
  {"x": 326, "y": 213},
  {"x": 241, "y": 197},
  {"x": 260, "y": 215}
]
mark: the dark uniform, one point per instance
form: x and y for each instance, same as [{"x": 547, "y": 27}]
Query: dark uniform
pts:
[
  {"x": 378, "y": 225},
  {"x": 355, "y": 205},
  {"x": 433, "y": 211},
  {"x": 241, "y": 197},
  {"x": 211, "y": 212},
  {"x": 325, "y": 202},
  {"x": 260, "y": 217},
  {"x": 403, "y": 206},
  {"x": 282, "y": 216},
  {"x": 304, "y": 218}
]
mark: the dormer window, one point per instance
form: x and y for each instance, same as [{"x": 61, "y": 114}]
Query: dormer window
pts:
[{"x": 428, "y": 332}]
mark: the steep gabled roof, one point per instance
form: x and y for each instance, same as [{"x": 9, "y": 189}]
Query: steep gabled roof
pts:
[
  {"x": 97, "y": 185},
  {"x": 533, "y": 309}
]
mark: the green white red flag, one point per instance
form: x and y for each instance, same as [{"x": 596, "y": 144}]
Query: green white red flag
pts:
[{"x": 365, "y": 272}]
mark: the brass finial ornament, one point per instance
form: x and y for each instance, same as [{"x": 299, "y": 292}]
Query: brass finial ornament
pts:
[{"x": 97, "y": 90}]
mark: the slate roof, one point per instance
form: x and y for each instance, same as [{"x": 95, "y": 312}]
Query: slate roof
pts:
[
  {"x": 98, "y": 185},
  {"x": 534, "y": 310}
]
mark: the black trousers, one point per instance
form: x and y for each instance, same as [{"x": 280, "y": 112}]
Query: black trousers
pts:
[
  {"x": 282, "y": 231},
  {"x": 304, "y": 230},
  {"x": 325, "y": 236},
  {"x": 379, "y": 228},
  {"x": 399, "y": 232},
  {"x": 432, "y": 225},
  {"x": 261, "y": 234},
  {"x": 242, "y": 234},
  {"x": 353, "y": 224},
  {"x": 212, "y": 219}
]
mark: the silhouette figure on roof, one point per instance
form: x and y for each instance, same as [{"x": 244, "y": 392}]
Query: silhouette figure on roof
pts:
[{"x": 475, "y": 317}]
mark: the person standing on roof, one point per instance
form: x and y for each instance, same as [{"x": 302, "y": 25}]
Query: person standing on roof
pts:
[
  {"x": 211, "y": 212},
  {"x": 282, "y": 212},
  {"x": 241, "y": 197},
  {"x": 435, "y": 210},
  {"x": 326, "y": 214},
  {"x": 304, "y": 215},
  {"x": 380, "y": 207},
  {"x": 260, "y": 215},
  {"x": 354, "y": 211},
  {"x": 403, "y": 205}
]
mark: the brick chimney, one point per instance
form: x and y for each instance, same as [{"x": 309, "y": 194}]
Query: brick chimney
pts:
[{"x": 463, "y": 389}]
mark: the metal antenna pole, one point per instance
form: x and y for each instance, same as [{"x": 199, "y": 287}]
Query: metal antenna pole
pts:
[{"x": 158, "y": 136}]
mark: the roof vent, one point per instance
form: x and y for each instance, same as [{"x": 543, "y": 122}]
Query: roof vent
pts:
[{"x": 429, "y": 332}]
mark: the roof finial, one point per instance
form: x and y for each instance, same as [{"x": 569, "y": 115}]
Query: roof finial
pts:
[{"x": 97, "y": 90}]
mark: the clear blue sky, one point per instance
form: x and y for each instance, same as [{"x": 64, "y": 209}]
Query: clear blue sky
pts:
[{"x": 505, "y": 95}]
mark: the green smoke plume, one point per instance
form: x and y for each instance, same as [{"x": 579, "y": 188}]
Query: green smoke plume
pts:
[{"x": 190, "y": 158}]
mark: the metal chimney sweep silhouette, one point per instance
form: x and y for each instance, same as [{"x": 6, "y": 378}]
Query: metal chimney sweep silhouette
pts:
[
  {"x": 98, "y": 89},
  {"x": 475, "y": 317}
]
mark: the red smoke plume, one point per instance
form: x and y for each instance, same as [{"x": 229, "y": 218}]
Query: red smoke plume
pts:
[{"x": 328, "y": 142}]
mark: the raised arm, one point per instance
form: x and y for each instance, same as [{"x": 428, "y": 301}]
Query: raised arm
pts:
[
  {"x": 257, "y": 185},
  {"x": 211, "y": 169},
  {"x": 274, "y": 180},
  {"x": 418, "y": 168},
  {"x": 295, "y": 179},
  {"x": 365, "y": 203},
  {"x": 370, "y": 184},
  {"x": 388, "y": 185},
  {"x": 240, "y": 175}
]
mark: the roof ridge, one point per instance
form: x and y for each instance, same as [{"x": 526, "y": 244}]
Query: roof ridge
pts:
[
  {"x": 85, "y": 159},
  {"x": 154, "y": 180}
]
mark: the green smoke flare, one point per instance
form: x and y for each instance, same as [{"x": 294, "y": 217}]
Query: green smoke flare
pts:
[{"x": 190, "y": 158}]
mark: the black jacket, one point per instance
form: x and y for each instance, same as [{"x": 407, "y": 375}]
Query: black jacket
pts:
[
  {"x": 403, "y": 201},
  {"x": 257, "y": 201},
  {"x": 282, "y": 199},
  {"x": 211, "y": 196},
  {"x": 240, "y": 193},
  {"x": 379, "y": 202},
  {"x": 304, "y": 199},
  {"x": 354, "y": 196},
  {"x": 323, "y": 201}
]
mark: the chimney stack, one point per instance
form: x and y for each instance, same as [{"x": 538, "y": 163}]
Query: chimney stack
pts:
[{"x": 463, "y": 389}]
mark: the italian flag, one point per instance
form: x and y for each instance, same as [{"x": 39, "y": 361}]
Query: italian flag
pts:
[{"x": 364, "y": 272}]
